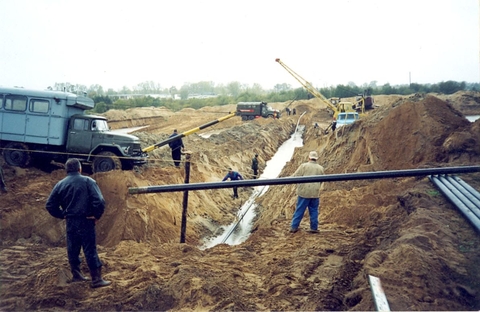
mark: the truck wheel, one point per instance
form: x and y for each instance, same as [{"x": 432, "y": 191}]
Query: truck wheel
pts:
[
  {"x": 244, "y": 118},
  {"x": 17, "y": 154},
  {"x": 106, "y": 161},
  {"x": 251, "y": 117}
]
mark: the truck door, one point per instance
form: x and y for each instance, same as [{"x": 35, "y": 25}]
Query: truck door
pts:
[
  {"x": 264, "y": 112},
  {"x": 38, "y": 121},
  {"x": 79, "y": 136}
]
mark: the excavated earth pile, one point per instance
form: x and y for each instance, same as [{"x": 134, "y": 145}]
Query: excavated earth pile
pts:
[{"x": 401, "y": 230}]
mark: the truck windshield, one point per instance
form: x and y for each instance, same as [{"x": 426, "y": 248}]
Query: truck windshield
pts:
[{"x": 99, "y": 125}]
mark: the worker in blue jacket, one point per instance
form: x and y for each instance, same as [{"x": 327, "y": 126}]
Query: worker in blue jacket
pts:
[{"x": 233, "y": 176}]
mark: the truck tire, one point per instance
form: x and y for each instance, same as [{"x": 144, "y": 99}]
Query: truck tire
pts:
[
  {"x": 244, "y": 118},
  {"x": 17, "y": 154},
  {"x": 106, "y": 161},
  {"x": 251, "y": 117}
]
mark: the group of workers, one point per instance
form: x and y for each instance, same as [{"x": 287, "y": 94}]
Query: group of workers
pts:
[
  {"x": 308, "y": 193},
  {"x": 291, "y": 111},
  {"x": 77, "y": 199}
]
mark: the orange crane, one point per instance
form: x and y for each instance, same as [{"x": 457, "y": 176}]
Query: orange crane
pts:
[{"x": 334, "y": 108}]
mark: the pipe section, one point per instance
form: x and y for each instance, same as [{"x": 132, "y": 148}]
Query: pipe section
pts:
[
  {"x": 467, "y": 213},
  {"x": 307, "y": 179}
]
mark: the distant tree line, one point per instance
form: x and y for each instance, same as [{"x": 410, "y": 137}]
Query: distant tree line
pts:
[{"x": 206, "y": 93}]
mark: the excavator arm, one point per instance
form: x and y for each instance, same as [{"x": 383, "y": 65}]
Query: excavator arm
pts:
[{"x": 188, "y": 132}]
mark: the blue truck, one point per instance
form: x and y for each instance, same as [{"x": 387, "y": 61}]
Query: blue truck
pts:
[
  {"x": 347, "y": 118},
  {"x": 48, "y": 125}
]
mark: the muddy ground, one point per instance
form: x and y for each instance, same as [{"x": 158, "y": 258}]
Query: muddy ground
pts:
[{"x": 401, "y": 230}]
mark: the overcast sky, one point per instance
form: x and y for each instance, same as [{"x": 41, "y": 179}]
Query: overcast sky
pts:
[{"x": 172, "y": 42}]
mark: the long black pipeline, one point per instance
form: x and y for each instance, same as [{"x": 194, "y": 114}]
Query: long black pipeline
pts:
[
  {"x": 460, "y": 195},
  {"x": 307, "y": 179},
  {"x": 461, "y": 206}
]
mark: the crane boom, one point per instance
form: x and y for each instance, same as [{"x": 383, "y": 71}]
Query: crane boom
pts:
[{"x": 336, "y": 109}]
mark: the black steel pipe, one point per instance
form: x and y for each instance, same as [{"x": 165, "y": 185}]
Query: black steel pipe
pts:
[
  {"x": 460, "y": 195},
  {"x": 467, "y": 213},
  {"x": 307, "y": 179}
]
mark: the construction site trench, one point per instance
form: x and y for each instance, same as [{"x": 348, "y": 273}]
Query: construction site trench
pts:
[{"x": 400, "y": 230}]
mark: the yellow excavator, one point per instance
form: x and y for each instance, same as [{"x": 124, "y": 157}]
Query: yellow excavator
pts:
[{"x": 335, "y": 106}]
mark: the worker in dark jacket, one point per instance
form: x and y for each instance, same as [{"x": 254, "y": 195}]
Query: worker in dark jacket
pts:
[
  {"x": 233, "y": 176},
  {"x": 78, "y": 199},
  {"x": 255, "y": 166},
  {"x": 176, "y": 146}
]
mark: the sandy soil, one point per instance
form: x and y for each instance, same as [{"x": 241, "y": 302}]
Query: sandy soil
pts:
[{"x": 401, "y": 230}]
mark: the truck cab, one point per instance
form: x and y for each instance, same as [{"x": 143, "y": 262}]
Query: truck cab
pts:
[
  {"x": 90, "y": 136},
  {"x": 346, "y": 118}
]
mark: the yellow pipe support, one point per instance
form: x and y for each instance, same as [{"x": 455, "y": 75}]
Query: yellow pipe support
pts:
[{"x": 188, "y": 132}]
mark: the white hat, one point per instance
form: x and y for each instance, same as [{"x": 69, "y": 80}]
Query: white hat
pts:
[{"x": 313, "y": 155}]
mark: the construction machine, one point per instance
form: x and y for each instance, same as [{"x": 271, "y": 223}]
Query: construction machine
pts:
[
  {"x": 335, "y": 106},
  {"x": 365, "y": 100},
  {"x": 252, "y": 110}
]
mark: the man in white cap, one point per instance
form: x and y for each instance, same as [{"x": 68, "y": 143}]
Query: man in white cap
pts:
[{"x": 308, "y": 194}]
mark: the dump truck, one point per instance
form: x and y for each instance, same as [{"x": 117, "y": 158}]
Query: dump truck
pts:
[
  {"x": 252, "y": 110},
  {"x": 49, "y": 125}
]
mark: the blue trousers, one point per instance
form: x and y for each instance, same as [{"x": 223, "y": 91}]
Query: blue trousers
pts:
[
  {"x": 81, "y": 235},
  {"x": 302, "y": 204}
]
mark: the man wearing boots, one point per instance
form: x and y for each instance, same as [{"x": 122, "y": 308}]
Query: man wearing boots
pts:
[
  {"x": 79, "y": 201},
  {"x": 255, "y": 166}
]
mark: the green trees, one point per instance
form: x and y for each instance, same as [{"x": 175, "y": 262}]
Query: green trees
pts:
[{"x": 206, "y": 93}]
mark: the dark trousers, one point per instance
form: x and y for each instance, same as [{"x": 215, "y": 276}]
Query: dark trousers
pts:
[
  {"x": 81, "y": 235},
  {"x": 235, "y": 191},
  {"x": 255, "y": 173},
  {"x": 2, "y": 181},
  {"x": 177, "y": 156}
]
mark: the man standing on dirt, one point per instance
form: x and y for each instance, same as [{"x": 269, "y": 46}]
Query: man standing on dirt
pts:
[
  {"x": 308, "y": 194},
  {"x": 255, "y": 166},
  {"x": 176, "y": 146},
  {"x": 78, "y": 199},
  {"x": 233, "y": 176}
]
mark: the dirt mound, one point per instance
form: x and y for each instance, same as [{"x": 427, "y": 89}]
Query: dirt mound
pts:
[{"x": 401, "y": 230}]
